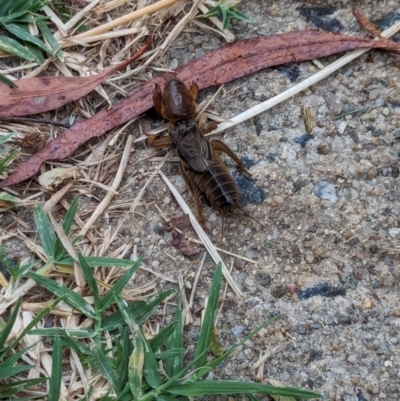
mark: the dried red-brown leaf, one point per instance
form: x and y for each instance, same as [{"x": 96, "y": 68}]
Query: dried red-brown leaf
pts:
[
  {"x": 366, "y": 23},
  {"x": 179, "y": 222},
  {"x": 183, "y": 244},
  {"x": 39, "y": 94},
  {"x": 214, "y": 68}
]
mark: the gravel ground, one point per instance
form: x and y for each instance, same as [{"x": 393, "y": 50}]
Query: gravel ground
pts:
[{"x": 330, "y": 204}]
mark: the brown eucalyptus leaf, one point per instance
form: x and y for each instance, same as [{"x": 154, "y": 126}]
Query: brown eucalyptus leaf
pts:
[
  {"x": 40, "y": 94},
  {"x": 214, "y": 68}
]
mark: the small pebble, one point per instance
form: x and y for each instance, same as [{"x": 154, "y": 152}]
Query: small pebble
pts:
[
  {"x": 394, "y": 96},
  {"x": 263, "y": 278},
  {"x": 394, "y": 232},
  {"x": 302, "y": 140},
  {"x": 397, "y": 134},
  {"x": 337, "y": 145},
  {"x": 378, "y": 132},
  {"x": 352, "y": 358},
  {"x": 325, "y": 190},
  {"x": 379, "y": 102},
  {"x": 237, "y": 330},
  {"x": 334, "y": 104},
  {"x": 279, "y": 291},
  {"x": 173, "y": 65},
  {"x": 302, "y": 329},
  {"x": 195, "y": 336},
  {"x": 127, "y": 232},
  {"x": 348, "y": 281},
  {"x": 323, "y": 148},
  {"x": 342, "y": 127},
  {"x": 213, "y": 217},
  {"x": 367, "y": 304},
  {"x": 344, "y": 320},
  {"x": 291, "y": 288},
  {"x": 155, "y": 263}
]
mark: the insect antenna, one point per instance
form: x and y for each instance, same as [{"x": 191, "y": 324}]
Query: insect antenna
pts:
[
  {"x": 249, "y": 215},
  {"x": 222, "y": 224}
]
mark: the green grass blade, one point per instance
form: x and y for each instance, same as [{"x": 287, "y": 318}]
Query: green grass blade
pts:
[
  {"x": 5, "y": 138},
  {"x": 211, "y": 365},
  {"x": 171, "y": 353},
  {"x": 7, "y": 81},
  {"x": 87, "y": 271},
  {"x": 71, "y": 297},
  {"x": 98, "y": 261},
  {"x": 213, "y": 12},
  {"x": 105, "y": 367},
  {"x": 70, "y": 216},
  {"x": 45, "y": 231},
  {"x": 6, "y": 262},
  {"x": 158, "y": 340},
  {"x": 60, "y": 252},
  {"x": 24, "y": 269},
  {"x": 9, "y": 389},
  {"x": 175, "y": 364},
  {"x": 41, "y": 315},
  {"x": 14, "y": 358},
  {"x": 124, "y": 395},
  {"x": 139, "y": 311},
  {"x": 180, "y": 374},
  {"x": 209, "y": 317},
  {"x": 165, "y": 397},
  {"x": 37, "y": 53},
  {"x": 83, "y": 351},
  {"x": 56, "y": 371},
  {"x": 225, "y": 18},
  {"x": 150, "y": 366},
  {"x": 235, "y": 13},
  {"x": 119, "y": 285},
  {"x": 10, "y": 371},
  {"x": 126, "y": 349},
  {"x": 22, "y": 32},
  {"x": 4, "y": 163},
  {"x": 136, "y": 363},
  {"x": 151, "y": 372},
  {"x": 5, "y": 7},
  {"x": 11, "y": 46},
  {"x": 11, "y": 320},
  {"x": 80, "y": 332},
  {"x": 214, "y": 387},
  {"x": 51, "y": 40}
]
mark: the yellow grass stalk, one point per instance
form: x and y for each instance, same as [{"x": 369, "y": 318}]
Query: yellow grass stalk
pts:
[{"x": 126, "y": 19}]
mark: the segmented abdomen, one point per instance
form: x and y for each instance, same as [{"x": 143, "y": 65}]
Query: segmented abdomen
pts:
[{"x": 218, "y": 186}]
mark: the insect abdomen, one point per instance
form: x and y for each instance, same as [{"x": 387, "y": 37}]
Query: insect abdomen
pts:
[{"x": 218, "y": 186}]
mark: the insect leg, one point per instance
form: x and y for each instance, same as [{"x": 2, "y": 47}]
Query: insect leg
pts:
[
  {"x": 157, "y": 98},
  {"x": 164, "y": 142},
  {"x": 220, "y": 146},
  {"x": 249, "y": 215},
  {"x": 194, "y": 90},
  {"x": 222, "y": 225},
  {"x": 196, "y": 198}
]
